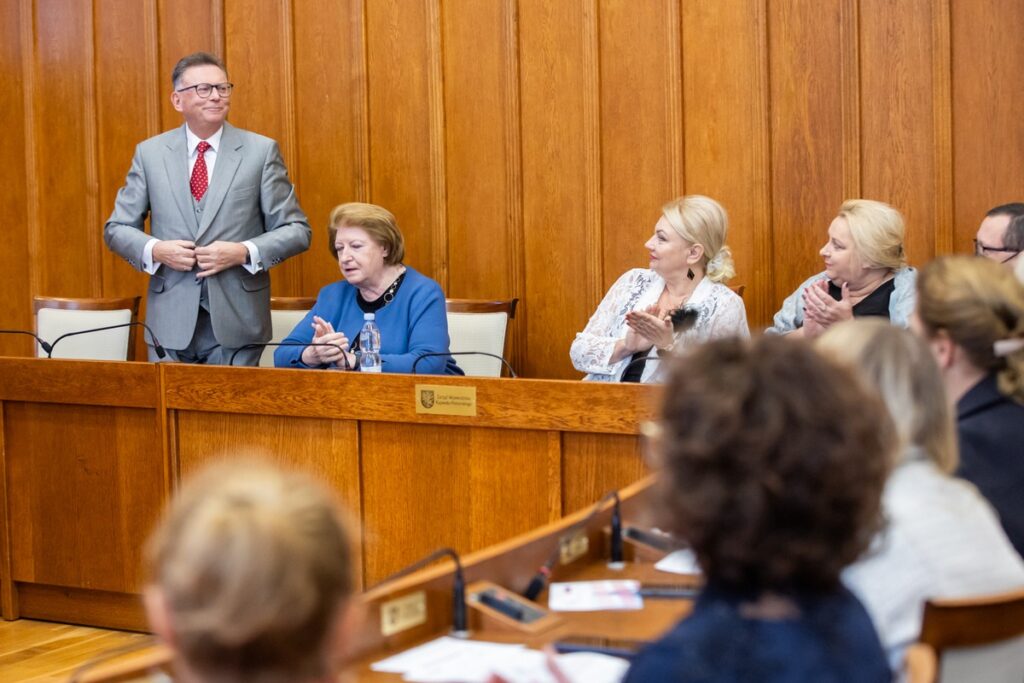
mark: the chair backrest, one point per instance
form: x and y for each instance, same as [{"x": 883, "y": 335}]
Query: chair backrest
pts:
[
  {"x": 58, "y": 316},
  {"x": 739, "y": 289},
  {"x": 973, "y": 639},
  {"x": 285, "y": 313},
  {"x": 479, "y": 325}
]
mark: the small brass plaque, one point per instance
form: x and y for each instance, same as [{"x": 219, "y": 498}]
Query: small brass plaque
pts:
[
  {"x": 403, "y": 613},
  {"x": 438, "y": 399},
  {"x": 573, "y": 547}
]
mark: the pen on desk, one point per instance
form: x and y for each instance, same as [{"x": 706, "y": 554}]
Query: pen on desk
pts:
[
  {"x": 564, "y": 648},
  {"x": 669, "y": 592}
]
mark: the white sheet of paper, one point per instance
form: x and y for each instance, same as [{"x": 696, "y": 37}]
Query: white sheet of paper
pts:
[
  {"x": 439, "y": 652},
  {"x": 592, "y": 596},
  {"x": 514, "y": 664},
  {"x": 679, "y": 562}
]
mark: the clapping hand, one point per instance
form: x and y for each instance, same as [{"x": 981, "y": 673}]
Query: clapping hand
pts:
[
  {"x": 822, "y": 311},
  {"x": 648, "y": 327},
  {"x": 323, "y": 333}
]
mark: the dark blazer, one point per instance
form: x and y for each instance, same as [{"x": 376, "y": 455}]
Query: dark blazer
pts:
[
  {"x": 991, "y": 430},
  {"x": 250, "y": 198}
]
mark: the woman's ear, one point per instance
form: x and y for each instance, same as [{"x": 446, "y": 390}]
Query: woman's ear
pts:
[
  {"x": 696, "y": 254},
  {"x": 944, "y": 350},
  {"x": 159, "y": 614}
]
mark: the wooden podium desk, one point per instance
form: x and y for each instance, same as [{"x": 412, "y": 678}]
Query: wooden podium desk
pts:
[{"x": 90, "y": 452}]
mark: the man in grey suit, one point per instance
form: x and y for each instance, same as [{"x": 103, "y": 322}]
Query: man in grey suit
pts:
[{"x": 222, "y": 212}]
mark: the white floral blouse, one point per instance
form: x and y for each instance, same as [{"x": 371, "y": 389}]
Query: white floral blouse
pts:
[{"x": 720, "y": 314}]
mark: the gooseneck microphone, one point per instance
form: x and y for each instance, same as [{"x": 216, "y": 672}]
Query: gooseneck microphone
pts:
[
  {"x": 540, "y": 579},
  {"x": 615, "y": 560},
  {"x": 460, "y": 627},
  {"x": 45, "y": 346},
  {"x": 436, "y": 354},
  {"x": 263, "y": 345},
  {"x": 160, "y": 352}
]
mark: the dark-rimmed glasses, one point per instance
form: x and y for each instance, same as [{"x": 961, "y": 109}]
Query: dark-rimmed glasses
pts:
[
  {"x": 204, "y": 90},
  {"x": 984, "y": 250}
]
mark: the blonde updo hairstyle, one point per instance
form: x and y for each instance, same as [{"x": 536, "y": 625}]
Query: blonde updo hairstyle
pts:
[
  {"x": 979, "y": 304},
  {"x": 877, "y": 232},
  {"x": 900, "y": 366},
  {"x": 253, "y": 565},
  {"x": 701, "y": 220}
]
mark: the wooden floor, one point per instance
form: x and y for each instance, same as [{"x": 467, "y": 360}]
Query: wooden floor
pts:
[{"x": 37, "y": 651}]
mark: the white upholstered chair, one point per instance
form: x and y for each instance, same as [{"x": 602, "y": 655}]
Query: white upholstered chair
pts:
[
  {"x": 285, "y": 313},
  {"x": 479, "y": 325},
  {"x": 56, "y": 317},
  {"x": 975, "y": 639}
]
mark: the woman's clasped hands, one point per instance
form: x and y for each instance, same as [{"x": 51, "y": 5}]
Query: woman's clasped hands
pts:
[
  {"x": 648, "y": 327},
  {"x": 333, "y": 349}
]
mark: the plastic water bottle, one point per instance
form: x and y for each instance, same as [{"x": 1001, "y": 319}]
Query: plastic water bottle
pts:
[{"x": 369, "y": 345}]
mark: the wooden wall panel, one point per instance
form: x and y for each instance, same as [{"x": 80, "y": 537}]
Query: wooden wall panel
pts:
[
  {"x": 526, "y": 145},
  {"x": 594, "y": 464},
  {"x": 64, "y": 119},
  {"x": 561, "y": 178},
  {"x": 901, "y": 150},
  {"x": 105, "y": 451},
  {"x": 402, "y": 46},
  {"x": 641, "y": 126},
  {"x": 436, "y": 479},
  {"x": 988, "y": 128},
  {"x": 15, "y": 284},
  {"x": 725, "y": 99},
  {"x": 330, "y": 106}
]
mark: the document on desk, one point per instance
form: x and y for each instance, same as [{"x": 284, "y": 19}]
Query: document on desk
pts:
[
  {"x": 452, "y": 660},
  {"x": 594, "y": 596},
  {"x": 679, "y": 562}
]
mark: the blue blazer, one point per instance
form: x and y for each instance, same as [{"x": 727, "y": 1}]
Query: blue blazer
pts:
[
  {"x": 413, "y": 324},
  {"x": 991, "y": 430}
]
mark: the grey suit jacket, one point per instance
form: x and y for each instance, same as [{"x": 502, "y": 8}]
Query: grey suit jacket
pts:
[{"x": 249, "y": 198}]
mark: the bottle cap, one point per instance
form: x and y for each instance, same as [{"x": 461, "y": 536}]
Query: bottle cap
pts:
[{"x": 369, "y": 316}]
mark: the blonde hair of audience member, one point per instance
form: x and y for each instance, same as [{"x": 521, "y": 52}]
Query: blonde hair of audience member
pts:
[
  {"x": 701, "y": 220},
  {"x": 901, "y": 367},
  {"x": 972, "y": 311},
  {"x": 252, "y": 578},
  {"x": 877, "y": 232}
]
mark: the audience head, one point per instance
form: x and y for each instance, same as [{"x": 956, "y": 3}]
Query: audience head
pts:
[
  {"x": 1000, "y": 236},
  {"x": 866, "y": 235},
  {"x": 252, "y": 576},
  {"x": 378, "y": 223},
  {"x": 773, "y": 459},
  {"x": 901, "y": 367},
  {"x": 971, "y": 310},
  {"x": 195, "y": 59},
  {"x": 702, "y": 221}
]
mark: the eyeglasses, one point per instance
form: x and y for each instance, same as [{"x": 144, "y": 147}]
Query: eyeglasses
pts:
[
  {"x": 984, "y": 250},
  {"x": 204, "y": 90}
]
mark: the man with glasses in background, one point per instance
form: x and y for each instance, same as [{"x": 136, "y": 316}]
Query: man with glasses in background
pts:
[
  {"x": 1001, "y": 235},
  {"x": 222, "y": 212}
]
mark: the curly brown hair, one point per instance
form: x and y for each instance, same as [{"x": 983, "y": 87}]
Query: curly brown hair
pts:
[{"x": 773, "y": 462}]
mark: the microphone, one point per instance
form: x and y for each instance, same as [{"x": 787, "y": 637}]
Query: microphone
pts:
[
  {"x": 156, "y": 344},
  {"x": 42, "y": 344},
  {"x": 255, "y": 345},
  {"x": 460, "y": 628},
  {"x": 464, "y": 353},
  {"x": 539, "y": 579},
  {"x": 615, "y": 560}
]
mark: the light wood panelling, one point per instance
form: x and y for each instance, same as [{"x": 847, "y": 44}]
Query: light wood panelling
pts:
[
  {"x": 526, "y": 145},
  {"x": 15, "y": 285},
  {"x": 593, "y": 465},
  {"x": 988, "y": 128}
]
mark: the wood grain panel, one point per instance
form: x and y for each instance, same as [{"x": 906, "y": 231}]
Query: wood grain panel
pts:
[
  {"x": 326, "y": 449},
  {"x": 988, "y": 129},
  {"x": 398, "y": 54},
  {"x": 128, "y": 112},
  {"x": 67, "y": 219},
  {"x": 725, "y": 95},
  {"x": 561, "y": 217},
  {"x": 899, "y": 154},
  {"x": 638, "y": 95},
  {"x": 184, "y": 27},
  {"x": 594, "y": 464},
  {"x": 330, "y": 105},
  {"x": 45, "y": 380},
  {"x": 417, "y": 481},
  {"x": 15, "y": 285},
  {"x": 86, "y": 484},
  {"x": 809, "y": 133}
]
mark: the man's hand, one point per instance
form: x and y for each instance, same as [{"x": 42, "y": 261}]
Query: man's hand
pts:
[
  {"x": 175, "y": 254},
  {"x": 219, "y": 256}
]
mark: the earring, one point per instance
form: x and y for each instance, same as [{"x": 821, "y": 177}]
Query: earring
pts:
[{"x": 689, "y": 273}]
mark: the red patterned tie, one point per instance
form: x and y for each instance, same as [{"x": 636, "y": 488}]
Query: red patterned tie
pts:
[{"x": 199, "y": 181}]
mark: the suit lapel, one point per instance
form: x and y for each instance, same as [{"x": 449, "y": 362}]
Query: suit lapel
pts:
[
  {"x": 229, "y": 156},
  {"x": 176, "y": 165}
]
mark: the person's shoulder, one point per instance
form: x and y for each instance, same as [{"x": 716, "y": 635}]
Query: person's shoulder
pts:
[
  {"x": 248, "y": 137},
  {"x": 419, "y": 281},
  {"x": 164, "y": 140},
  {"x": 335, "y": 290}
]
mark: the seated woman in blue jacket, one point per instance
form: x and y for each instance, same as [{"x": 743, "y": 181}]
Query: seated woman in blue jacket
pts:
[{"x": 409, "y": 307}]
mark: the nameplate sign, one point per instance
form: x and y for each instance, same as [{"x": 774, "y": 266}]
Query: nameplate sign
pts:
[{"x": 438, "y": 399}]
